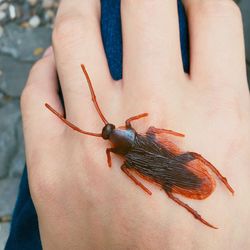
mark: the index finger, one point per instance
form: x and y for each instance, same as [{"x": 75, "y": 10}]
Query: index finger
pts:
[{"x": 77, "y": 40}]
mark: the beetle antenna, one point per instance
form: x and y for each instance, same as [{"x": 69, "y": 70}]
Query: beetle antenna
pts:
[
  {"x": 74, "y": 127},
  {"x": 93, "y": 95}
]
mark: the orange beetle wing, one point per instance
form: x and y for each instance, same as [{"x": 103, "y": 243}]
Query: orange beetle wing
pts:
[
  {"x": 207, "y": 186},
  {"x": 196, "y": 166}
]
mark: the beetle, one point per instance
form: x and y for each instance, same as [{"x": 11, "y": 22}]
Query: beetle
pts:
[{"x": 155, "y": 158}]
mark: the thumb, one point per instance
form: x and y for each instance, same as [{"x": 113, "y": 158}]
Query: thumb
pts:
[{"x": 41, "y": 87}]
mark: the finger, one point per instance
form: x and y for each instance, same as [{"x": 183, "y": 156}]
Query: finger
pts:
[
  {"x": 216, "y": 38},
  {"x": 41, "y": 87},
  {"x": 77, "y": 40},
  {"x": 151, "y": 42}
]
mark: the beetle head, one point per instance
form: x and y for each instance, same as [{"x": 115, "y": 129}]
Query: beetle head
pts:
[{"x": 107, "y": 131}]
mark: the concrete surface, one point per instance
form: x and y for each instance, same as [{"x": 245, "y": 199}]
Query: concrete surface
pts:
[{"x": 17, "y": 53}]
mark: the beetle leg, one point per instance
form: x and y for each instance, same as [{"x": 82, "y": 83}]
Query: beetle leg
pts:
[
  {"x": 129, "y": 120},
  {"x": 126, "y": 171},
  {"x": 189, "y": 209},
  {"x": 214, "y": 169},
  {"x": 108, "y": 151},
  {"x": 153, "y": 130}
]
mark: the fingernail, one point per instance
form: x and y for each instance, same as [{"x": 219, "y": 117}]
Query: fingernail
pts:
[{"x": 48, "y": 51}]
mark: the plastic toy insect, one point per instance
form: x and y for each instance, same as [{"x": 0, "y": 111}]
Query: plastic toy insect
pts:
[{"x": 156, "y": 159}]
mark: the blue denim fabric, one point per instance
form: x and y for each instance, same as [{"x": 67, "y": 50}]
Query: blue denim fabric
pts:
[{"x": 24, "y": 234}]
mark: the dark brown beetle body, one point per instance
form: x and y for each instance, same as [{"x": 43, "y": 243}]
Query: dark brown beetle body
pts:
[
  {"x": 156, "y": 159},
  {"x": 142, "y": 153}
]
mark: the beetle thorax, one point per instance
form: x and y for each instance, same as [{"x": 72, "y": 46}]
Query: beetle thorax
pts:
[{"x": 123, "y": 138}]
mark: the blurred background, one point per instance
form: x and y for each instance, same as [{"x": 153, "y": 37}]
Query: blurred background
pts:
[{"x": 25, "y": 31}]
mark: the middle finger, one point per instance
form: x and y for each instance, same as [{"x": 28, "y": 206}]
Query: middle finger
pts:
[{"x": 151, "y": 43}]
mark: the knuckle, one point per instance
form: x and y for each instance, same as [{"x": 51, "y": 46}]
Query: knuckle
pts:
[
  {"x": 64, "y": 27},
  {"x": 70, "y": 28}
]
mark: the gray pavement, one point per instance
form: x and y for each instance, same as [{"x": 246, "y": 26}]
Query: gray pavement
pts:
[
  {"x": 4, "y": 231},
  {"x": 19, "y": 48},
  {"x": 18, "y": 51}
]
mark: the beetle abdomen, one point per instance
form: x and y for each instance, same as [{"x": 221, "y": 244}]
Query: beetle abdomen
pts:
[
  {"x": 207, "y": 182},
  {"x": 182, "y": 174}
]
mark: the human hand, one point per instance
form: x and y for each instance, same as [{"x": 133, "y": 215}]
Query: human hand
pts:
[{"x": 81, "y": 203}]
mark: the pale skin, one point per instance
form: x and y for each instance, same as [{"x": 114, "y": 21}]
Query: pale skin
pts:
[{"x": 84, "y": 204}]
